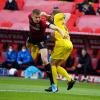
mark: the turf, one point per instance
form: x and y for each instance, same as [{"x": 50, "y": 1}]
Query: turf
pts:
[{"x": 14, "y": 88}]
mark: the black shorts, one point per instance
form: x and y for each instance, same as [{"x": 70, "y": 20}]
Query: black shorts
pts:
[{"x": 41, "y": 44}]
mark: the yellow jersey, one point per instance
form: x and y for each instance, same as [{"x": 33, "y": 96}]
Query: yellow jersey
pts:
[{"x": 59, "y": 22}]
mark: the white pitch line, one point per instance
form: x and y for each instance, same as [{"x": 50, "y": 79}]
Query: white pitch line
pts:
[
  {"x": 21, "y": 91},
  {"x": 34, "y": 91}
]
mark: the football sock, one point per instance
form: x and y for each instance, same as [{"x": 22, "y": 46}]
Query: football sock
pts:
[
  {"x": 63, "y": 72},
  {"x": 49, "y": 73},
  {"x": 54, "y": 74}
]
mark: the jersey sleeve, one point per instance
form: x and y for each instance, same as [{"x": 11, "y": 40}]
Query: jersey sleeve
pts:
[{"x": 48, "y": 24}]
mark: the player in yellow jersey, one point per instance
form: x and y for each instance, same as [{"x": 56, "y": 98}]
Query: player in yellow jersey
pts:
[
  {"x": 62, "y": 49},
  {"x": 36, "y": 37}
]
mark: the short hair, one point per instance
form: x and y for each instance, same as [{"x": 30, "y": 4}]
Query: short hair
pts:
[
  {"x": 55, "y": 7},
  {"x": 36, "y": 11},
  {"x": 55, "y": 12}
]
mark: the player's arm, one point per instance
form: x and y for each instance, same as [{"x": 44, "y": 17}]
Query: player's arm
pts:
[
  {"x": 53, "y": 27},
  {"x": 45, "y": 14},
  {"x": 67, "y": 16}
]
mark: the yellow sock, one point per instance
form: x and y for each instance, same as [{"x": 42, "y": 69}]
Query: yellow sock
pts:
[
  {"x": 63, "y": 72},
  {"x": 54, "y": 74}
]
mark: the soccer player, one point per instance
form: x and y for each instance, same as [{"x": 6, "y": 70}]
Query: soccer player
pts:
[
  {"x": 61, "y": 51},
  {"x": 37, "y": 37}
]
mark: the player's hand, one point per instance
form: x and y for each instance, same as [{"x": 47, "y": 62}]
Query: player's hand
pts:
[
  {"x": 65, "y": 37},
  {"x": 45, "y": 14},
  {"x": 19, "y": 62}
]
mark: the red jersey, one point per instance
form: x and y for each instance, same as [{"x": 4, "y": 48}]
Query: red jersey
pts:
[{"x": 37, "y": 30}]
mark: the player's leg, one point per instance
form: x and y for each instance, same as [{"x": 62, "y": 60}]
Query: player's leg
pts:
[
  {"x": 54, "y": 75},
  {"x": 44, "y": 56},
  {"x": 64, "y": 73},
  {"x": 54, "y": 60},
  {"x": 69, "y": 48},
  {"x": 66, "y": 50}
]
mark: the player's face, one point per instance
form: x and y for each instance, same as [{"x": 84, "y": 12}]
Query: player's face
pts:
[
  {"x": 36, "y": 18},
  {"x": 83, "y": 52},
  {"x": 63, "y": 21}
]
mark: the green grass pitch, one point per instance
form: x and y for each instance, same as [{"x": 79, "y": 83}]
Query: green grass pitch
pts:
[{"x": 14, "y": 88}]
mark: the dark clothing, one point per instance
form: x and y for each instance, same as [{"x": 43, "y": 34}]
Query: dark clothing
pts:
[
  {"x": 86, "y": 8},
  {"x": 9, "y": 65},
  {"x": 25, "y": 65},
  {"x": 98, "y": 68},
  {"x": 80, "y": 6},
  {"x": 49, "y": 73},
  {"x": 98, "y": 65},
  {"x": 98, "y": 10},
  {"x": 82, "y": 70},
  {"x": 37, "y": 31},
  {"x": 94, "y": 1},
  {"x": 86, "y": 65},
  {"x": 70, "y": 62},
  {"x": 85, "y": 60},
  {"x": 41, "y": 44},
  {"x": 89, "y": 11},
  {"x": 11, "y": 6}
]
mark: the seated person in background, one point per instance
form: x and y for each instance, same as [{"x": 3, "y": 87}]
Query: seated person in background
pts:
[
  {"x": 11, "y": 56},
  {"x": 84, "y": 65},
  {"x": 24, "y": 58},
  {"x": 86, "y": 8},
  {"x": 11, "y": 5}
]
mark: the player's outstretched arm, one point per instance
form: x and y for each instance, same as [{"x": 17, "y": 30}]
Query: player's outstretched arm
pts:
[{"x": 53, "y": 27}]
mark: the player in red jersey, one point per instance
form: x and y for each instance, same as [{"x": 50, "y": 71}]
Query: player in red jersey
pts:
[{"x": 37, "y": 37}]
